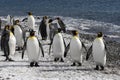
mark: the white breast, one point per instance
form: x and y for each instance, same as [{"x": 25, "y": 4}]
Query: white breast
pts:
[
  {"x": 33, "y": 49},
  {"x": 8, "y": 19},
  {"x": 31, "y": 22},
  {"x": 58, "y": 45},
  {"x": 12, "y": 44},
  {"x": 99, "y": 51},
  {"x": 19, "y": 35},
  {"x": 75, "y": 49}
]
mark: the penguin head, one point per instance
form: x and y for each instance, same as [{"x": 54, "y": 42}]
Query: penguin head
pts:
[
  {"x": 58, "y": 18},
  {"x": 59, "y": 30},
  {"x": 45, "y": 17},
  {"x": 7, "y": 27},
  {"x": 16, "y": 22},
  {"x": 99, "y": 34},
  {"x": 74, "y": 32},
  {"x": 32, "y": 32},
  {"x": 29, "y": 13}
]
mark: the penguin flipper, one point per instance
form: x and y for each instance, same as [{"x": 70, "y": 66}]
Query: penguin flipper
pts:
[
  {"x": 66, "y": 50},
  {"x": 50, "y": 46},
  {"x": 106, "y": 47},
  {"x": 64, "y": 43},
  {"x": 83, "y": 45},
  {"x": 40, "y": 45},
  {"x": 89, "y": 52},
  {"x": 24, "y": 19},
  {"x": 24, "y": 48}
]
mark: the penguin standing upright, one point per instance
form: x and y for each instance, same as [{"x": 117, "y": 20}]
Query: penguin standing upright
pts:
[
  {"x": 8, "y": 43},
  {"x": 31, "y": 21},
  {"x": 75, "y": 46},
  {"x": 32, "y": 47},
  {"x": 99, "y": 50},
  {"x": 43, "y": 29},
  {"x": 58, "y": 45},
  {"x": 19, "y": 35}
]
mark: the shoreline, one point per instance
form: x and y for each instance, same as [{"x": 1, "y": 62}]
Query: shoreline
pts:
[{"x": 48, "y": 69}]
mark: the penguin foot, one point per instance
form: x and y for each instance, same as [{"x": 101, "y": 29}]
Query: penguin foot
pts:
[
  {"x": 3, "y": 55},
  {"x": 73, "y": 64},
  {"x": 31, "y": 64},
  {"x": 56, "y": 59},
  {"x": 97, "y": 67},
  {"x": 18, "y": 49},
  {"x": 61, "y": 60},
  {"x": 36, "y": 64},
  {"x": 6, "y": 59},
  {"x": 79, "y": 64},
  {"x": 10, "y": 59},
  {"x": 102, "y": 67}
]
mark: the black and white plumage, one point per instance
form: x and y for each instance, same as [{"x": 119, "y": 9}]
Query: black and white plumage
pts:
[
  {"x": 8, "y": 43},
  {"x": 58, "y": 46},
  {"x": 98, "y": 49},
  {"x": 33, "y": 48},
  {"x": 75, "y": 47}
]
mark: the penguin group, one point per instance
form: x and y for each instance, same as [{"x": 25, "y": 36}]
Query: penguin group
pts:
[{"x": 52, "y": 30}]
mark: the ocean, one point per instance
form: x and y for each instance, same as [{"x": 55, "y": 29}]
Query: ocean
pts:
[
  {"x": 89, "y": 16},
  {"x": 100, "y": 10}
]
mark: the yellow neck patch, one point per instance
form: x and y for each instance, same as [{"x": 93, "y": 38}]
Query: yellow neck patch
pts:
[
  {"x": 11, "y": 34},
  {"x": 75, "y": 37},
  {"x": 99, "y": 38},
  {"x": 31, "y": 37},
  {"x": 59, "y": 34}
]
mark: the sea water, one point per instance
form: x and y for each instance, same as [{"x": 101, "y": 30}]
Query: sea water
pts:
[{"x": 89, "y": 16}]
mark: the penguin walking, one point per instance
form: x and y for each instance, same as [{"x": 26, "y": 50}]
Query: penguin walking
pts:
[
  {"x": 99, "y": 50},
  {"x": 8, "y": 43},
  {"x": 75, "y": 47},
  {"x": 32, "y": 47},
  {"x": 18, "y": 32},
  {"x": 58, "y": 46}
]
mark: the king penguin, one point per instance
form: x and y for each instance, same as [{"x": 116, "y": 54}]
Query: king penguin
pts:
[
  {"x": 8, "y": 43},
  {"x": 31, "y": 21},
  {"x": 75, "y": 47},
  {"x": 18, "y": 32},
  {"x": 58, "y": 46},
  {"x": 43, "y": 29},
  {"x": 32, "y": 47},
  {"x": 99, "y": 50}
]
